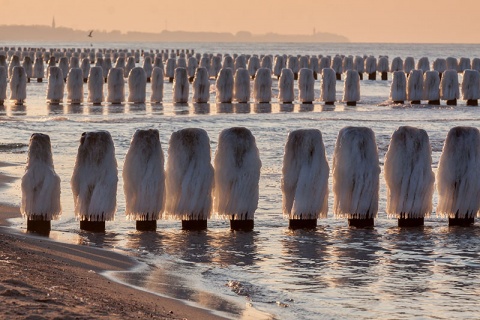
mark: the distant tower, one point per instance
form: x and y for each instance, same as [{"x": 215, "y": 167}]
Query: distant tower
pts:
[
  {"x": 53, "y": 22},
  {"x": 314, "y": 31}
]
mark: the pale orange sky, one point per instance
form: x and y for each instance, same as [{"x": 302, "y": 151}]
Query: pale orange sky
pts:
[{"x": 431, "y": 21}]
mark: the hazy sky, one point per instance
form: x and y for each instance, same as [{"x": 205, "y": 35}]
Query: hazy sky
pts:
[{"x": 358, "y": 20}]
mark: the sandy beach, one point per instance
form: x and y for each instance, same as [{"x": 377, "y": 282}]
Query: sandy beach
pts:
[{"x": 43, "y": 279}]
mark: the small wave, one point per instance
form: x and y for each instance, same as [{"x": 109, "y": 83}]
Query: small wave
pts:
[{"x": 12, "y": 146}]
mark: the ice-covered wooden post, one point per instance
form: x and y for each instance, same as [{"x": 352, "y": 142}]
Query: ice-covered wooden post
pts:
[
  {"x": 305, "y": 179},
  {"x": 431, "y": 87},
  {"x": 382, "y": 67},
  {"x": 75, "y": 86},
  {"x": 137, "y": 84},
  {"x": 144, "y": 180},
  {"x": 398, "y": 89},
  {"x": 337, "y": 66},
  {"x": 351, "y": 89},
  {"x": 449, "y": 89},
  {"x": 94, "y": 181},
  {"x": 201, "y": 86},
  {"x": 409, "y": 176},
  {"x": 471, "y": 87},
  {"x": 306, "y": 93},
  {"x": 286, "y": 92},
  {"x": 116, "y": 86},
  {"x": 18, "y": 85},
  {"x": 329, "y": 93},
  {"x": 40, "y": 186},
  {"x": 189, "y": 178},
  {"x": 180, "y": 86},
  {"x": 458, "y": 177},
  {"x": 356, "y": 171},
  {"x": 415, "y": 87},
  {"x": 241, "y": 85},
  {"x": 371, "y": 67},
  {"x": 95, "y": 86},
  {"x": 237, "y": 174}
]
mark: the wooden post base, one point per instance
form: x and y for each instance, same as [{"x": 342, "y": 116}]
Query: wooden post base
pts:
[
  {"x": 399, "y": 102},
  {"x": 461, "y": 222},
  {"x": 361, "y": 223},
  {"x": 415, "y": 102},
  {"x": 434, "y": 102},
  {"x": 241, "y": 225},
  {"x": 384, "y": 76},
  {"x": 308, "y": 224},
  {"x": 39, "y": 80},
  {"x": 315, "y": 75},
  {"x": 351, "y": 103},
  {"x": 339, "y": 76},
  {"x": 170, "y": 80},
  {"x": 410, "y": 222},
  {"x": 452, "y": 102},
  {"x": 39, "y": 226},
  {"x": 329, "y": 103},
  {"x": 306, "y": 102},
  {"x": 194, "y": 225},
  {"x": 93, "y": 226},
  {"x": 372, "y": 76},
  {"x": 146, "y": 225},
  {"x": 473, "y": 103},
  {"x": 360, "y": 75}
]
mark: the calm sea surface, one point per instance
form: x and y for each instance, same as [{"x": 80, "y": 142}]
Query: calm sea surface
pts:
[{"x": 333, "y": 272}]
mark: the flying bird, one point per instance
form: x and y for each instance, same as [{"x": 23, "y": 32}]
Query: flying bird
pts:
[{"x": 90, "y": 34}]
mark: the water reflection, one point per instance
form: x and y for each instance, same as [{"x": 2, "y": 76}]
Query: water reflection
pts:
[
  {"x": 286, "y": 107},
  {"x": 201, "y": 108},
  {"x": 235, "y": 248},
  {"x": 181, "y": 109},
  {"x": 157, "y": 108},
  {"x": 262, "y": 108},
  {"x": 325, "y": 108},
  {"x": 3, "y": 110},
  {"x": 224, "y": 107},
  {"x": 190, "y": 246},
  {"x": 242, "y": 107},
  {"x": 306, "y": 107},
  {"x": 19, "y": 110},
  {"x": 74, "y": 109},
  {"x": 137, "y": 108},
  {"x": 97, "y": 110},
  {"x": 55, "y": 109},
  {"x": 113, "y": 108}
]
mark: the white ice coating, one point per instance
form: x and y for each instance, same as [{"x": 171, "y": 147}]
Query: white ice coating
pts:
[
  {"x": 40, "y": 184},
  {"x": 476, "y": 64},
  {"x": 382, "y": 64},
  {"x": 305, "y": 176},
  {"x": 144, "y": 177},
  {"x": 431, "y": 85},
  {"x": 337, "y": 64},
  {"x": 241, "y": 85},
  {"x": 170, "y": 68},
  {"x": 237, "y": 173},
  {"x": 278, "y": 65},
  {"x": 253, "y": 65},
  {"x": 303, "y": 62},
  {"x": 228, "y": 62},
  {"x": 409, "y": 64},
  {"x": 129, "y": 66},
  {"x": 423, "y": 64},
  {"x": 371, "y": 65},
  {"x": 157, "y": 85},
  {"x": 266, "y": 62},
  {"x": 192, "y": 66},
  {"x": 137, "y": 85},
  {"x": 224, "y": 86},
  {"x": 95, "y": 85},
  {"x": 306, "y": 83},
  {"x": 18, "y": 85},
  {"x": 158, "y": 62},
  {"x": 408, "y": 174},
  {"x": 324, "y": 62},
  {"x": 38, "y": 68},
  {"x": 189, "y": 175},
  {"x": 452, "y": 63},
  {"x": 329, "y": 82},
  {"x": 356, "y": 173},
  {"x": 147, "y": 66},
  {"x": 458, "y": 175},
  {"x": 347, "y": 63},
  {"x": 292, "y": 64},
  {"x": 286, "y": 92},
  {"x": 3, "y": 85},
  {"x": 471, "y": 85},
  {"x": 201, "y": 86},
  {"x": 464, "y": 64},
  {"x": 398, "y": 89},
  {"x": 75, "y": 86},
  {"x": 180, "y": 86},
  {"x": 94, "y": 179},
  {"x": 28, "y": 66},
  {"x": 116, "y": 86},
  {"x": 359, "y": 64},
  {"x": 181, "y": 63},
  {"x": 240, "y": 62},
  {"x": 63, "y": 65},
  {"x": 415, "y": 85},
  {"x": 351, "y": 88},
  {"x": 85, "y": 67},
  {"x": 14, "y": 62},
  {"x": 397, "y": 64},
  {"x": 440, "y": 65},
  {"x": 262, "y": 86},
  {"x": 449, "y": 88}
]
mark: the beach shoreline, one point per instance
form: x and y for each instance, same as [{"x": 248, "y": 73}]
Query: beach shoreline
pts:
[{"x": 40, "y": 277}]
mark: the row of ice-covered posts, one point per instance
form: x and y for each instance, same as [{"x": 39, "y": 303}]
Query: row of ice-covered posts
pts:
[{"x": 189, "y": 188}]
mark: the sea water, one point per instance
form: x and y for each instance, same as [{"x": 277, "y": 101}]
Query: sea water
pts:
[{"x": 333, "y": 272}]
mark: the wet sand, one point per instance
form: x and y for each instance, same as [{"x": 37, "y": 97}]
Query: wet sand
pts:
[{"x": 43, "y": 279}]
